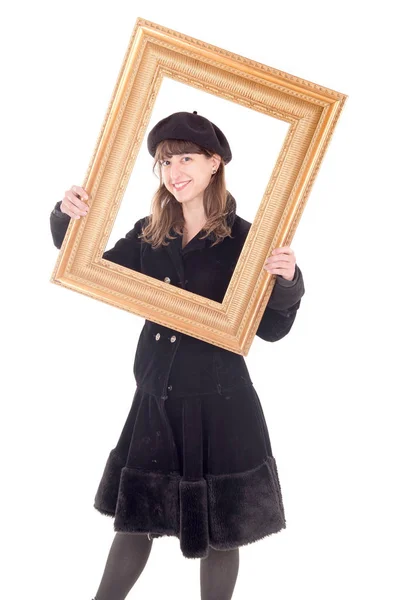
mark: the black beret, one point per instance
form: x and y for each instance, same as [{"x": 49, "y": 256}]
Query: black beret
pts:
[{"x": 191, "y": 127}]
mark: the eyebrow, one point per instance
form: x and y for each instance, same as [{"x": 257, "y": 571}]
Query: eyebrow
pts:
[{"x": 182, "y": 154}]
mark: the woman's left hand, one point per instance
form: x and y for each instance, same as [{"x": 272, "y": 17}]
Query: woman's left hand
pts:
[{"x": 281, "y": 262}]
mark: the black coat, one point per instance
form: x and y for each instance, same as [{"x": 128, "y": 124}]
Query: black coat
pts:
[{"x": 194, "y": 458}]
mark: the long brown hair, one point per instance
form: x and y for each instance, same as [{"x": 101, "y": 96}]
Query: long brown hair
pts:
[{"x": 166, "y": 211}]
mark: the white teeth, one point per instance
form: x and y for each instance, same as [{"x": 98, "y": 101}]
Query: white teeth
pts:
[{"x": 181, "y": 185}]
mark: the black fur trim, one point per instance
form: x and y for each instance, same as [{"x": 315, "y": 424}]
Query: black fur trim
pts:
[{"x": 221, "y": 511}]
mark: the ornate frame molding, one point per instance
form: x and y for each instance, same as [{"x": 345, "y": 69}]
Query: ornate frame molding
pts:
[{"x": 155, "y": 52}]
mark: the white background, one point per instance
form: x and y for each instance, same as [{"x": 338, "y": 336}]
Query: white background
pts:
[{"x": 329, "y": 389}]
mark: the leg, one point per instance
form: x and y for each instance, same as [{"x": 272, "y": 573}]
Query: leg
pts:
[
  {"x": 126, "y": 560},
  {"x": 218, "y": 574}
]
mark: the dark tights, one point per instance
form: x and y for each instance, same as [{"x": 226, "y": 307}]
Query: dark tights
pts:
[
  {"x": 218, "y": 573},
  {"x": 128, "y": 556}
]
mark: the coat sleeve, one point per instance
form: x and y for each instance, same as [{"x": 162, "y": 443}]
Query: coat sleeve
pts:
[
  {"x": 282, "y": 307},
  {"x": 126, "y": 251},
  {"x": 59, "y": 222}
]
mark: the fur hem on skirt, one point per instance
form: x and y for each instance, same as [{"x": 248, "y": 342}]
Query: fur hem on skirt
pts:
[{"x": 222, "y": 511}]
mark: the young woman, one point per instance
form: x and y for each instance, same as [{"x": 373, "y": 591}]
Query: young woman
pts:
[{"x": 194, "y": 458}]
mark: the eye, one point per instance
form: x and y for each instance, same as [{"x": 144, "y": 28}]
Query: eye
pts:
[{"x": 163, "y": 162}]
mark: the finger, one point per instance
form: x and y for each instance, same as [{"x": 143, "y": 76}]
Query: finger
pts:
[
  {"x": 281, "y": 264},
  {"x": 69, "y": 206},
  {"x": 81, "y": 207},
  {"x": 282, "y": 250},
  {"x": 283, "y": 272},
  {"x": 77, "y": 198},
  {"x": 284, "y": 258},
  {"x": 69, "y": 209},
  {"x": 82, "y": 192},
  {"x": 291, "y": 258}
]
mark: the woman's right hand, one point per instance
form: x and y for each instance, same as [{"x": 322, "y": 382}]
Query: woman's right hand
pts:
[{"x": 73, "y": 202}]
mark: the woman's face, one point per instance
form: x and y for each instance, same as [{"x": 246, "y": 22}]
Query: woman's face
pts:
[{"x": 186, "y": 176}]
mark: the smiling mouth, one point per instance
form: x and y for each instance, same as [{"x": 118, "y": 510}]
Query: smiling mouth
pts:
[{"x": 181, "y": 185}]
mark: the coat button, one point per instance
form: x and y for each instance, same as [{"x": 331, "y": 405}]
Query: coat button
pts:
[
  {"x": 170, "y": 387},
  {"x": 158, "y": 336},
  {"x": 167, "y": 280},
  {"x": 173, "y": 338}
]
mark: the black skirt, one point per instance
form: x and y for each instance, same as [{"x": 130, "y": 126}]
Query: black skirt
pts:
[{"x": 199, "y": 467}]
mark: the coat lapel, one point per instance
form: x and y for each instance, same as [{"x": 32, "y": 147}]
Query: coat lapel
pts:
[{"x": 174, "y": 249}]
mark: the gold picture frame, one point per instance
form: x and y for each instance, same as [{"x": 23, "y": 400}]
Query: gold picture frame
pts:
[{"x": 312, "y": 111}]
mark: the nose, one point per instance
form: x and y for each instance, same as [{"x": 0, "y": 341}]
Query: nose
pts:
[{"x": 174, "y": 172}]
